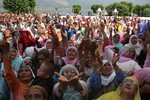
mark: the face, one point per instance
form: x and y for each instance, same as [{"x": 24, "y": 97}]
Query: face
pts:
[
  {"x": 134, "y": 40},
  {"x": 25, "y": 75},
  {"x": 49, "y": 45},
  {"x": 13, "y": 53},
  {"x": 130, "y": 53},
  {"x": 89, "y": 60},
  {"x": 107, "y": 69},
  {"x": 28, "y": 62},
  {"x": 129, "y": 86},
  {"x": 42, "y": 72},
  {"x": 116, "y": 39},
  {"x": 69, "y": 73},
  {"x": 35, "y": 94},
  {"x": 71, "y": 54}
]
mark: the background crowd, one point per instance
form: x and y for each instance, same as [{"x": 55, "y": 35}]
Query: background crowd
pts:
[{"x": 54, "y": 57}]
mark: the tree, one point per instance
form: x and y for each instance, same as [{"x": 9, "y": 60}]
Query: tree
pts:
[
  {"x": 32, "y": 4},
  {"x": 76, "y": 8},
  {"x": 128, "y": 4},
  {"x": 146, "y": 12},
  {"x": 96, "y": 6},
  {"x": 138, "y": 9},
  {"x": 123, "y": 9},
  {"x": 19, "y": 6}
]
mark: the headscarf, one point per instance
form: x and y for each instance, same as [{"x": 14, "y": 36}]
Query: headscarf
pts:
[
  {"x": 69, "y": 61},
  {"x": 123, "y": 58},
  {"x": 41, "y": 89},
  {"x": 143, "y": 75},
  {"x": 136, "y": 46},
  {"x": 137, "y": 94},
  {"x": 116, "y": 95},
  {"x": 29, "y": 69},
  {"x": 69, "y": 66},
  {"x": 29, "y": 51},
  {"x": 107, "y": 79},
  {"x": 119, "y": 45},
  {"x": 72, "y": 95},
  {"x": 49, "y": 40}
]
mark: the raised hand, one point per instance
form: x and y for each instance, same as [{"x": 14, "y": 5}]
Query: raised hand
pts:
[
  {"x": 4, "y": 46},
  {"x": 75, "y": 79},
  {"x": 114, "y": 60},
  {"x": 62, "y": 78}
]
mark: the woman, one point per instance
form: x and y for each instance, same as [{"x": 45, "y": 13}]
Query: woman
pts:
[
  {"x": 70, "y": 58},
  {"x": 127, "y": 61},
  {"x": 105, "y": 79},
  {"x": 143, "y": 77},
  {"x": 69, "y": 85},
  {"x": 87, "y": 66},
  {"x": 16, "y": 60},
  {"x": 133, "y": 43},
  {"x": 20, "y": 85},
  {"x": 36, "y": 92},
  {"x": 117, "y": 42},
  {"x": 127, "y": 90}
]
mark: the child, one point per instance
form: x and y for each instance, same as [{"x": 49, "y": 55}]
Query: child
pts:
[{"x": 44, "y": 77}]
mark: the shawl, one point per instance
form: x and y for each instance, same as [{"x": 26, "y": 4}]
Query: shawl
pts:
[
  {"x": 115, "y": 95},
  {"x": 107, "y": 79},
  {"x": 136, "y": 46},
  {"x": 69, "y": 61}
]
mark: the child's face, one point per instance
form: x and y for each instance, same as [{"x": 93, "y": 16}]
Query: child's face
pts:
[
  {"x": 42, "y": 71},
  {"x": 71, "y": 54},
  {"x": 69, "y": 73}
]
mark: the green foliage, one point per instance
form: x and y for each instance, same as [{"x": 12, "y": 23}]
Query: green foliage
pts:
[
  {"x": 146, "y": 12},
  {"x": 32, "y": 4},
  {"x": 128, "y": 4},
  {"x": 19, "y": 6},
  {"x": 76, "y": 8},
  {"x": 94, "y": 7},
  {"x": 137, "y": 9},
  {"x": 122, "y": 8}
]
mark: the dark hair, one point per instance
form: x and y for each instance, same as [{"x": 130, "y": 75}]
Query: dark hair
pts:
[
  {"x": 45, "y": 53},
  {"x": 50, "y": 67}
]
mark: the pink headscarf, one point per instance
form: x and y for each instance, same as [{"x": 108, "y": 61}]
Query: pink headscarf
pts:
[
  {"x": 143, "y": 75},
  {"x": 69, "y": 61},
  {"x": 124, "y": 59}
]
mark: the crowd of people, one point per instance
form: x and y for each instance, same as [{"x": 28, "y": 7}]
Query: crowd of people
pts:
[{"x": 53, "y": 57}]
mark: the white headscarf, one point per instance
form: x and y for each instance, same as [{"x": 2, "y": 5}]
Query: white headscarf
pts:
[
  {"x": 107, "y": 79},
  {"x": 136, "y": 46}
]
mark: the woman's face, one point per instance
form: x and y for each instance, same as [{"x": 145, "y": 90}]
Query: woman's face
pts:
[
  {"x": 71, "y": 54},
  {"x": 129, "y": 86},
  {"x": 130, "y": 53},
  {"x": 89, "y": 60},
  {"x": 35, "y": 94},
  {"x": 134, "y": 40},
  {"x": 116, "y": 39},
  {"x": 25, "y": 75},
  {"x": 28, "y": 62},
  {"x": 107, "y": 69},
  {"x": 13, "y": 53},
  {"x": 69, "y": 73},
  {"x": 49, "y": 45}
]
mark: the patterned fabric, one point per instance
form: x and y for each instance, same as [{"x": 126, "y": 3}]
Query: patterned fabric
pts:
[{"x": 72, "y": 95}]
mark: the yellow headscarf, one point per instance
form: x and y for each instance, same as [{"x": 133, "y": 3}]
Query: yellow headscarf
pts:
[{"x": 115, "y": 95}]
